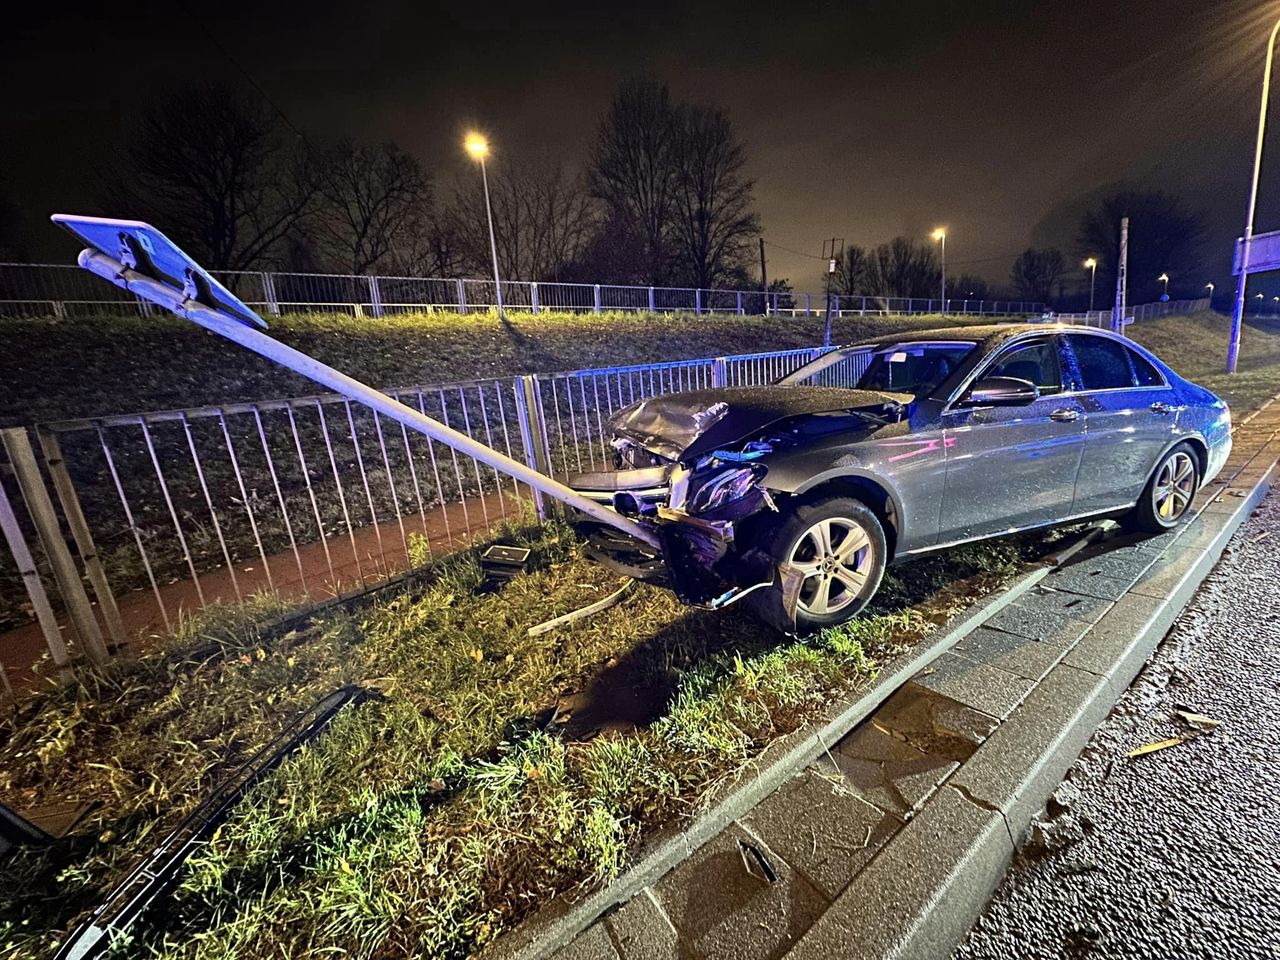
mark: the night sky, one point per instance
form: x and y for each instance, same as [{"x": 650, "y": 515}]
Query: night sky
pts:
[{"x": 862, "y": 120}]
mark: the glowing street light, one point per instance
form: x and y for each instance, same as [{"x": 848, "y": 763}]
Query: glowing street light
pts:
[
  {"x": 478, "y": 147},
  {"x": 1092, "y": 266},
  {"x": 940, "y": 234},
  {"x": 1209, "y": 287},
  {"x": 1237, "y": 314},
  {"x": 1164, "y": 278}
]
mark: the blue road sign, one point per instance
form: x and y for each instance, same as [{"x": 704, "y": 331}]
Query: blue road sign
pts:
[{"x": 143, "y": 248}]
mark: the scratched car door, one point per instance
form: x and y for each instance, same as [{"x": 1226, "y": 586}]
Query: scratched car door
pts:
[{"x": 1013, "y": 466}]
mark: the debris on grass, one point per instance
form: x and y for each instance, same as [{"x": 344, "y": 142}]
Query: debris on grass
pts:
[{"x": 431, "y": 820}]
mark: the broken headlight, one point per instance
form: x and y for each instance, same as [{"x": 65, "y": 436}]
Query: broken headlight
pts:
[{"x": 725, "y": 487}]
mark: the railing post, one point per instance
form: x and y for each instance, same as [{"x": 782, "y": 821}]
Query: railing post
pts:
[
  {"x": 533, "y": 297},
  {"x": 739, "y": 303},
  {"x": 375, "y": 297},
  {"x": 269, "y": 293},
  {"x": 530, "y": 420},
  {"x": 462, "y": 296},
  {"x": 18, "y": 445},
  {"x": 808, "y": 305},
  {"x": 651, "y": 301},
  {"x": 719, "y": 372},
  {"x": 697, "y": 301},
  {"x": 79, "y": 526},
  {"x": 595, "y": 298},
  {"x": 31, "y": 578}
]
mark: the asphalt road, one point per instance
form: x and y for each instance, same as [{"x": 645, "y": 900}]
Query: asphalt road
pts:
[{"x": 1174, "y": 854}]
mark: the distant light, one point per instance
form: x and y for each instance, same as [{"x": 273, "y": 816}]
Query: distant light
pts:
[
  {"x": 1090, "y": 263},
  {"x": 939, "y": 233},
  {"x": 1209, "y": 286},
  {"x": 477, "y": 146},
  {"x": 1163, "y": 276}
]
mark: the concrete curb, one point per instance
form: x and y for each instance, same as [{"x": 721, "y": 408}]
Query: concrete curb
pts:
[
  {"x": 921, "y": 895},
  {"x": 549, "y": 930}
]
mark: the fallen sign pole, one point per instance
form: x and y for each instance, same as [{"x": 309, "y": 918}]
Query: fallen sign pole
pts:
[{"x": 146, "y": 259}]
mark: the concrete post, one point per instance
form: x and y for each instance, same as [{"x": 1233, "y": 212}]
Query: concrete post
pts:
[{"x": 18, "y": 445}]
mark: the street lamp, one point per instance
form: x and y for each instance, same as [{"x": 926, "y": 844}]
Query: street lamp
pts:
[
  {"x": 1210, "y": 288},
  {"x": 1092, "y": 266},
  {"x": 1164, "y": 278},
  {"x": 1237, "y": 314},
  {"x": 940, "y": 235},
  {"x": 478, "y": 147}
]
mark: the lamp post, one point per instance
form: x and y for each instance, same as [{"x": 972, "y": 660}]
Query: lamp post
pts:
[
  {"x": 1164, "y": 278},
  {"x": 1210, "y": 288},
  {"x": 1237, "y": 314},
  {"x": 1092, "y": 266},
  {"x": 940, "y": 235},
  {"x": 478, "y": 147}
]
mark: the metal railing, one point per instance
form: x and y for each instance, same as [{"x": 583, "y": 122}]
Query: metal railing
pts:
[
  {"x": 61, "y": 290},
  {"x": 169, "y": 511},
  {"x": 1145, "y": 311}
]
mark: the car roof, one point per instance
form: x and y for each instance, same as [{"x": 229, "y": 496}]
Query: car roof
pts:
[{"x": 985, "y": 333}]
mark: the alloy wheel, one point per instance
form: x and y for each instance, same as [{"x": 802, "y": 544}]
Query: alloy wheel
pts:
[
  {"x": 835, "y": 557},
  {"x": 1174, "y": 487}
]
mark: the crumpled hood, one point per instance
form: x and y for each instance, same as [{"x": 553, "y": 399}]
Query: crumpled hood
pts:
[{"x": 690, "y": 424}]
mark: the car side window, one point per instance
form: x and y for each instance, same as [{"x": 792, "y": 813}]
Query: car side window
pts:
[
  {"x": 1145, "y": 374},
  {"x": 1101, "y": 363},
  {"x": 1034, "y": 362}
]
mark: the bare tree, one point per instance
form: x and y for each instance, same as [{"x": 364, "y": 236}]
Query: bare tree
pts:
[
  {"x": 853, "y": 273},
  {"x": 369, "y": 200},
  {"x": 1164, "y": 237},
  {"x": 712, "y": 223},
  {"x": 1035, "y": 272},
  {"x": 968, "y": 287},
  {"x": 632, "y": 172},
  {"x": 543, "y": 220},
  {"x": 210, "y": 169},
  {"x": 904, "y": 268}
]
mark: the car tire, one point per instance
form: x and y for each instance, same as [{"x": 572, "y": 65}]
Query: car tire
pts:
[
  {"x": 1167, "y": 497},
  {"x": 837, "y": 585}
]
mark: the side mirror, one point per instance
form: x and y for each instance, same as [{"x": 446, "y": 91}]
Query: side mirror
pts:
[{"x": 1001, "y": 392}]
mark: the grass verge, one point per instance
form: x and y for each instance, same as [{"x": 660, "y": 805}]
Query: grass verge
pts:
[{"x": 429, "y": 821}]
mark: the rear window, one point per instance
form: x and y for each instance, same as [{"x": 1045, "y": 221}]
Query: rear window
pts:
[
  {"x": 1101, "y": 364},
  {"x": 1147, "y": 375}
]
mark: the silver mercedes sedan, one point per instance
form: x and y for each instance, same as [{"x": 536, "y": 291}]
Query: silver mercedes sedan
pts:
[{"x": 801, "y": 492}]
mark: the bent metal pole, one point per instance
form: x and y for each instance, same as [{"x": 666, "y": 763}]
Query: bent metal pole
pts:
[{"x": 253, "y": 339}]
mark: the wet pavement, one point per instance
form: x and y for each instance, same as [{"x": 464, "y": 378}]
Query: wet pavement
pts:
[{"x": 1175, "y": 853}]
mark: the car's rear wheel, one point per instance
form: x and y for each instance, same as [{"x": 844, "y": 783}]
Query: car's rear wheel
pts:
[
  {"x": 1169, "y": 492},
  {"x": 838, "y": 546}
]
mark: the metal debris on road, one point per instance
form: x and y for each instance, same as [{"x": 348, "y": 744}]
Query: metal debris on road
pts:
[
  {"x": 1158, "y": 745},
  {"x": 1198, "y": 719}
]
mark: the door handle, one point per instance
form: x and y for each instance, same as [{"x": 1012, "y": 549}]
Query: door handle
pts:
[
  {"x": 1065, "y": 415},
  {"x": 1161, "y": 407}
]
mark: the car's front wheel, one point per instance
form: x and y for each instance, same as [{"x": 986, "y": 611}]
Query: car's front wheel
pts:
[
  {"x": 1169, "y": 492},
  {"x": 838, "y": 547}
]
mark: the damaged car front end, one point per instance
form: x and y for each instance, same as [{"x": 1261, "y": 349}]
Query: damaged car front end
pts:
[{"x": 696, "y": 465}]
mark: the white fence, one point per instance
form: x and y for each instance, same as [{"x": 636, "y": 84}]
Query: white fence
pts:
[
  {"x": 123, "y": 522},
  {"x": 61, "y": 290},
  {"x": 1145, "y": 311}
]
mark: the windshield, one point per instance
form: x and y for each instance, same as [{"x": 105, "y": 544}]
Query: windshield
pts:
[{"x": 914, "y": 368}]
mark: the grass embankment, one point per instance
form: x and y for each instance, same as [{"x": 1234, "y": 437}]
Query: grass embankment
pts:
[
  {"x": 425, "y": 823},
  {"x": 1196, "y": 346},
  {"x": 63, "y": 369}
]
